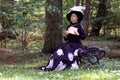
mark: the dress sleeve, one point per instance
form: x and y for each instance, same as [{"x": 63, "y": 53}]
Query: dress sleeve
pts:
[
  {"x": 82, "y": 33},
  {"x": 67, "y": 27},
  {"x": 65, "y": 37}
]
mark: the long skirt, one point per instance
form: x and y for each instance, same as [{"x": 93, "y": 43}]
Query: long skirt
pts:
[{"x": 66, "y": 56}]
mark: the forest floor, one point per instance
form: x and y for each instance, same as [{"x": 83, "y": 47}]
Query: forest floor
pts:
[
  {"x": 23, "y": 66},
  {"x": 112, "y": 48}
]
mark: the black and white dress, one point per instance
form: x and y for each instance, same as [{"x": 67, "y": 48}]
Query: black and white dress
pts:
[{"x": 66, "y": 56}]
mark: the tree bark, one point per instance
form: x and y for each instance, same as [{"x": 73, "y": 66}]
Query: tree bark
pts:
[
  {"x": 82, "y": 2},
  {"x": 85, "y": 21},
  {"x": 101, "y": 13},
  {"x": 77, "y": 2},
  {"x": 53, "y": 26}
]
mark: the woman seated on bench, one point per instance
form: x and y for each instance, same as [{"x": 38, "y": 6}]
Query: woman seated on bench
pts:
[{"x": 66, "y": 56}]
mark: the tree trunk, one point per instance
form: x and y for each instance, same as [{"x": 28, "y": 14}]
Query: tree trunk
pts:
[
  {"x": 5, "y": 22},
  {"x": 82, "y": 2},
  {"x": 77, "y": 2},
  {"x": 53, "y": 26},
  {"x": 85, "y": 21},
  {"x": 101, "y": 13}
]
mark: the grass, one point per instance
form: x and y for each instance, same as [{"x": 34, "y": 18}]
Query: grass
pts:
[
  {"x": 25, "y": 69},
  {"x": 22, "y": 66},
  {"x": 109, "y": 46}
]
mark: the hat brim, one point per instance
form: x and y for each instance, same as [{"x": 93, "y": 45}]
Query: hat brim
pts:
[{"x": 79, "y": 15}]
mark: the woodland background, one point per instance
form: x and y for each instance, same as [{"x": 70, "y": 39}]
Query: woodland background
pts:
[
  {"x": 36, "y": 24},
  {"x": 30, "y": 30}
]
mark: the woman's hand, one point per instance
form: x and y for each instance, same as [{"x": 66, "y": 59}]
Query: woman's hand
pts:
[
  {"x": 72, "y": 30},
  {"x": 76, "y": 33},
  {"x": 66, "y": 33}
]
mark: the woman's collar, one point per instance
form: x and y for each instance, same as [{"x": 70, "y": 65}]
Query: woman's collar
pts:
[{"x": 73, "y": 24}]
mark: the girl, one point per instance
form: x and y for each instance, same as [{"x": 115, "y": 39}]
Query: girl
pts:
[{"x": 66, "y": 56}]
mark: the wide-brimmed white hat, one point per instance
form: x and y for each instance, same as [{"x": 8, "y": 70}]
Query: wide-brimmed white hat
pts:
[{"x": 79, "y": 10}]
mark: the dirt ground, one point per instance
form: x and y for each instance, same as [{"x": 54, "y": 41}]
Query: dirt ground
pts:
[
  {"x": 10, "y": 57},
  {"x": 113, "y": 56},
  {"x": 7, "y": 56}
]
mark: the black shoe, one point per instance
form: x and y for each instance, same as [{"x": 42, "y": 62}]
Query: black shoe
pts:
[{"x": 42, "y": 68}]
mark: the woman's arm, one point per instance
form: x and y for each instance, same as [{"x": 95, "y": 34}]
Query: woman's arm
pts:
[
  {"x": 82, "y": 33},
  {"x": 65, "y": 37}
]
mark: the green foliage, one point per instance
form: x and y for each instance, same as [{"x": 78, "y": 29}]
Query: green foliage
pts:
[
  {"x": 67, "y": 4},
  {"x": 25, "y": 17},
  {"x": 110, "y": 22},
  {"x": 21, "y": 13}
]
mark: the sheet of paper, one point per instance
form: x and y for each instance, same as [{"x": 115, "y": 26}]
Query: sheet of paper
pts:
[{"x": 73, "y": 30}]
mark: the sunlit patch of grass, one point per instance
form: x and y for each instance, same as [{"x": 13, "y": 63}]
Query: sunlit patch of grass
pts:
[
  {"x": 108, "y": 69},
  {"x": 81, "y": 74}
]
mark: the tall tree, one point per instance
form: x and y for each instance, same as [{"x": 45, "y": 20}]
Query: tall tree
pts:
[
  {"x": 82, "y": 2},
  {"x": 85, "y": 21},
  {"x": 5, "y": 21},
  {"x": 98, "y": 22},
  {"x": 77, "y": 2},
  {"x": 53, "y": 26}
]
